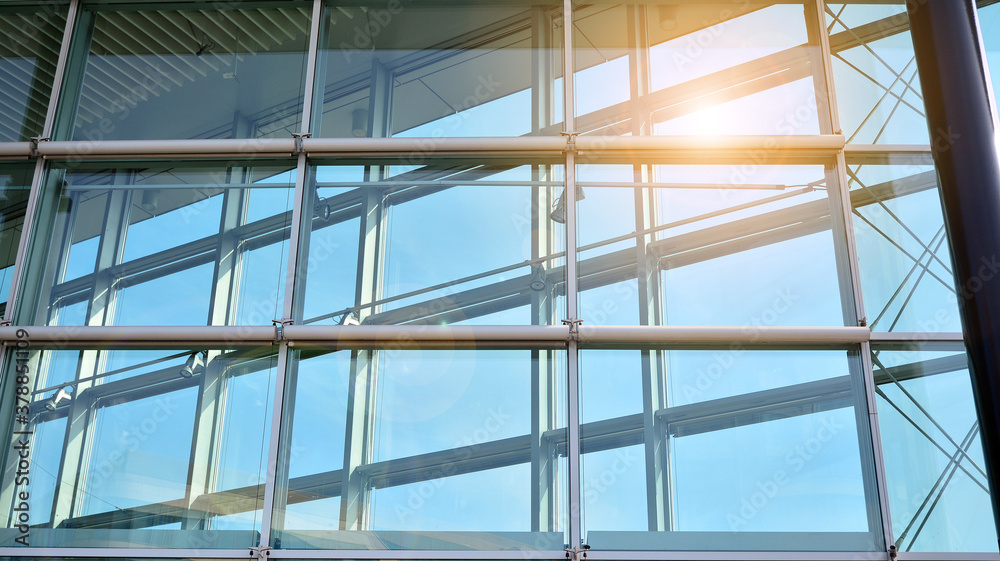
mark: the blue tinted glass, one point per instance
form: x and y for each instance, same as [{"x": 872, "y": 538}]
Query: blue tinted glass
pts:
[
  {"x": 695, "y": 68},
  {"x": 938, "y": 490},
  {"x": 165, "y": 244},
  {"x": 451, "y": 462},
  {"x": 441, "y": 69},
  {"x": 124, "y": 434},
  {"x": 731, "y": 449},
  {"x": 878, "y": 88}
]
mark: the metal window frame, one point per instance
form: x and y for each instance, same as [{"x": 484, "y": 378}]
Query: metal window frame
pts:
[{"x": 829, "y": 147}]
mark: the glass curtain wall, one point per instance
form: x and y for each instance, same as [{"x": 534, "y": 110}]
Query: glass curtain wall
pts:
[{"x": 367, "y": 342}]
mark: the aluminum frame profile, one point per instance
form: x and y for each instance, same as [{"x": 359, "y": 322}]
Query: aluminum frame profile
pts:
[
  {"x": 760, "y": 147},
  {"x": 599, "y": 555},
  {"x": 383, "y": 336}
]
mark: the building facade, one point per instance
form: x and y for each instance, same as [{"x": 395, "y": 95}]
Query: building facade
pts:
[{"x": 372, "y": 280}]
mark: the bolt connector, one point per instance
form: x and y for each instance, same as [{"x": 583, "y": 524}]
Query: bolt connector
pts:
[
  {"x": 279, "y": 328},
  {"x": 570, "y": 141},
  {"x": 574, "y": 328},
  {"x": 298, "y": 136},
  {"x": 260, "y": 552},
  {"x": 34, "y": 144}
]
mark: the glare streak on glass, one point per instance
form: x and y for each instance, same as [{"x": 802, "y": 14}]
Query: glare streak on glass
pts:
[{"x": 699, "y": 68}]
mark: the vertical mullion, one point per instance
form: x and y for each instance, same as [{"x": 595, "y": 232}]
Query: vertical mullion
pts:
[
  {"x": 842, "y": 186},
  {"x": 309, "y": 88},
  {"x": 57, "y": 80},
  {"x": 569, "y": 67},
  {"x": 573, "y": 383},
  {"x": 845, "y": 196},
  {"x": 876, "y": 437},
  {"x": 298, "y": 232},
  {"x": 295, "y": 233},
  {"x": 654, "y": 398},
  {"x": 544, "y": 414},
  {"x": 267, "y": 510},
  {"x": 572, "y": 366}
]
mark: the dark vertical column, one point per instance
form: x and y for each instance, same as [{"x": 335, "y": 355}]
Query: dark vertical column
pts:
[{"x": 946, "y": 41}]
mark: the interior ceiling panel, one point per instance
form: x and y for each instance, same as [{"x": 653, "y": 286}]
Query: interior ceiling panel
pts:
[{"x": 141, "y": 54}]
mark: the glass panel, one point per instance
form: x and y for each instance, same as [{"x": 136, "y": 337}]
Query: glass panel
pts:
[
  {"x": 442, "y": 69},
  {"x": 424, "y": 449},
  {"x": 163, "y": 244},
  {"x": 668, "y": 68},
  {"x": 935, "y": 473},
  {"x": 902, "y": 247},
  {"x": 32, "y": 37},
  {"x": 210, "y": 71},
  {"x": 136, "y": 448},
  {"x": 450, "y": 242},
  {"x": 15, "y": 185},
  {"x": 733, "y": 245},
  {"x": 731, "y": 449},
  {"x": 878, "y": 89}
]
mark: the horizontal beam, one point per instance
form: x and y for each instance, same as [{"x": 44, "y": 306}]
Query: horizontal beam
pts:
[
  {"x": 146, "y": 149},
  {"x": 605, "y": 555},
  {"x": 15, "y": 150},
  {"x": 138, "y": 553},
  {"x": 723, "y": 147},
  {"x": 920, "y": 336},
  {"x": 911, "y": 154},
  {"x": 417, "y": 147},
  {"x": 413, "y": 336},
  {"x": 760, "y": 148},
  {"x": 683, "y": 336},
  {"x": 156, "y": 336},
  {"x": 445, "y": 336}
]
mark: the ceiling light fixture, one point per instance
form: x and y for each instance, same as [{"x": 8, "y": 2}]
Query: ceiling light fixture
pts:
[
  {"x": 558, "y": 213},
  {"x": 194, "y": 364}
]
